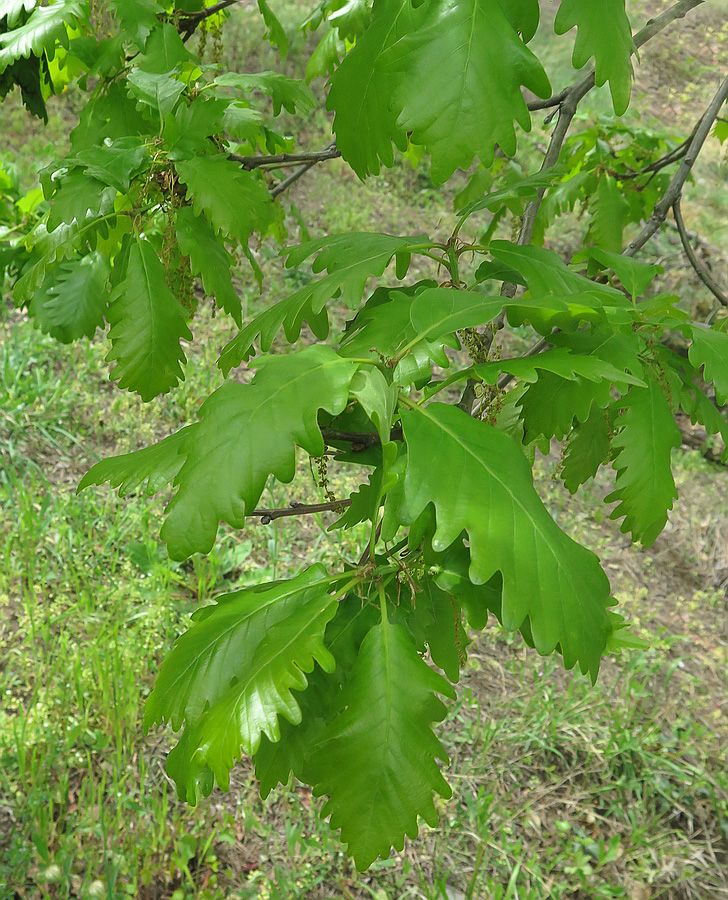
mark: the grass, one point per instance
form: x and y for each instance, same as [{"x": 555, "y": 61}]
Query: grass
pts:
[{"x": 560, "y": 789}]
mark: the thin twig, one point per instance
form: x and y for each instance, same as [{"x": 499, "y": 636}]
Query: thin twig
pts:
[
  {"x": 266, "y": 516},
  {"x": 567, "y": 102},
  {"x": 285, "y": 159},
  {"x": 700, "y": 269},
  {"x": 674, "y": 190},
  {"x": 189, "y": 21},
  {"x": 284, "y": 185}
]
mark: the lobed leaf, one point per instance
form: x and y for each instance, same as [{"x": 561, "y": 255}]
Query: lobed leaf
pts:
[
  {"x": 246, "y": 433},
  {"x": 377, "y": 759},
  {"x": 148, "y": 323},
  {"x": 457, "y": 97},
  {"x": 148, "y": 470},
  {"x": 604, "y": 33},
  {"x": 231, "y": 675},
  {"x": 709, "y": 349},
  {"x": 209, "y": 259},
  {"x": 645, "y": 487},
  {"x": 235, "y": 203},
  {"x": 365, "y": 123},
  {"x": 482, "y": 483}
]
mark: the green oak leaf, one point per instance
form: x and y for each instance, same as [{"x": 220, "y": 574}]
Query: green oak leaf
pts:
[
  {"x": 46, "y": 26},
  {"x": 587, "y": 450},
  {"x": 608, "y": 211},
  {"x": 377, "y": 760},
  {"x": 147, "y": 470},
  {"x": 644, "y": 487},
  {"x": 188, "y": 127},
  {"x": 365, "y": 122},
  {"x": 79, "y": 197},
  {"x": 114, "y": 163},
  {"x": 275, "y": 33},
  {"x": 148, "y": 323},
  {"x": 561, "y": 362},
  {"x": 709, "y": 349},
  {"x": 546, "y": 273},
  {"x": 14, "y": 10},
  {"x": 351, "y": 259},
  {"x": 523, "y": 15},
  {"x": 73, "y": 304},
  {"x": 378, "y": 399},
  {"x": 558, "y": 584},
  {"x": 288, "y": 314},
  {"x": 604, "y": 33},
  {"x": 458, "y": 98},
  {"x": 636, "y": 276},
  {"x": 138, "y": 18},
  {"x": 437, "y": 621},
  {"x": 209, "y": 259},
  {"x": 160, "y": 92},
  {"x": 550, "y": 405},
  {"x": 248, "y": 432},
  {"x": 163, "y": 50},
  {"x": 235, "y": 203},
  {"x": 288, "y": 93},
  {"x": 231, "y": 675}
]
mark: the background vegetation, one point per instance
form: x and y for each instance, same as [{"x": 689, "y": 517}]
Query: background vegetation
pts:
[{"x": 560, "y": 789}]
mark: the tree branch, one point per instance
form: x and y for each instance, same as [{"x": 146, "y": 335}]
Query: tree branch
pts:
[
  {"x": 674, "y": 190},
  {"x": 188, "y": 22},
  {"x": 700, "y": 269},
  {"x": 285, "y": 159},
  {"x": 266, "y": 516}
]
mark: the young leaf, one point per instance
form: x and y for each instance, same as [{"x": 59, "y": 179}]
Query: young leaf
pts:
[
  {"x": 561, "y": 362},
  {"x": 163, "y": 50},
  {"x": 457, "y": 97},
  {"x": 645, "y": 487},
  {"x": 209, "y": 259},
  {"x": 636, "y": 276},
  {"x": 604, "y": 32},
  {"x": 378, "y": 398},
  {"x": 79, "y": 196},
  {"x": 289, "y": 314},
  {"x": 147, "y": 470},
  {"x": 236, "y": 203},
  {"x": 231, "y": 674},
  {"x": 546, "y": 273},
  {"x": 377, "y": 759},
  {"x": 248, "y": 432},
  {"x": 148, "y": 323},
  {"x": 159, "y": 92},
  {"x": 709, "y": 349},
  {"x": 73, "y": 305},
  {"x": 558, "y": 584}
]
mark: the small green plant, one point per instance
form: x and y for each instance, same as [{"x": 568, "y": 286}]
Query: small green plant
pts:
[{"x": 174, "y": 170}]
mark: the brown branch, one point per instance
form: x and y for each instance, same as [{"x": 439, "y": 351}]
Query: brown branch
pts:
[
  {"x": 700, "y": 269},
  {"x": 292, "y": 179},
  {"x": 188, "y": 22},
  {"x": 285, "y": 159},
  {"x": 674, "y": 190},
  {"x": 266, "y": 516}
]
